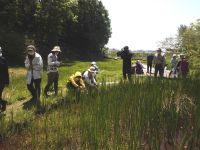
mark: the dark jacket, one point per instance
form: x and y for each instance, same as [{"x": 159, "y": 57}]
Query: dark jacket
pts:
[
  {"x": 126, "y": 56},
  {"x": 150, "y": 59},
  {"x": 4, "y": 76}
]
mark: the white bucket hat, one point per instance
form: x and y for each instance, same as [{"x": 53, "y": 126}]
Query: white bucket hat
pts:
[
  {"x": 56, "y": 49},
  {"x": 93, "y": 63},
  {"x": 92, "y": 70}
]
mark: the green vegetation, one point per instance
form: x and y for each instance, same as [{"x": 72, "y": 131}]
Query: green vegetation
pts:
[
  {"x": 77, "y": 26},
  {"x": 145, "y": 113}
]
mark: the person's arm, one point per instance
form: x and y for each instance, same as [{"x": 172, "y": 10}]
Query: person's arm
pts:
[
  {"x": 51, "y": 62},
  {"x": 39, "y": 63},
  {"x": 82, "y": 83},
  {"x": 71, "y": 79},
  {"x": 6, "y": 72},
  {"x": 27, "y": 63},
  {"x": 94, "y": 81}
]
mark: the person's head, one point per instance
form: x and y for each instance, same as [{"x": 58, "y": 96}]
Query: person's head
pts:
[
  {"x": 78, "y": 76},
  {"x": 174, "y": 56},
  {"x": 31, "y": 50},
  {"x": 91, "y": 71},
  {"x": 159, "y": 51},
  {"x": 126, "y": 48},
  {"x": 56, "y": 50},
  {"x": 182, "y": 56},
  {"x": 138, "y": 61}
]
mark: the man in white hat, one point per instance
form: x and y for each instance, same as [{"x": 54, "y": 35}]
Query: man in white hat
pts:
[
  {"x": 34, "y": 65},
  {"x": 52, "y": 70},
  {"x": 4, "y": 80}
]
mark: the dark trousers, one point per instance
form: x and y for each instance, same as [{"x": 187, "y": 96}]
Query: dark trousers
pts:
[
  {"x": 52, "y": 79},
  {"x": 2, "y": 102},
  {"x": 159, "y": 68},
  {"x": 125, "y": 75},
  {"x": 1, "y": 90},
  {"x": 149, "y": 67},
  {"x": 35, "y": 88}
]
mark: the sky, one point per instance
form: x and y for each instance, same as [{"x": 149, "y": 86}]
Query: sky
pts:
[{"x": 141, "y": 24}]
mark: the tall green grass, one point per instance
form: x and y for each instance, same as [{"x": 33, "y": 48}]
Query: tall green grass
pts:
[{"x": 144, "y": 113}]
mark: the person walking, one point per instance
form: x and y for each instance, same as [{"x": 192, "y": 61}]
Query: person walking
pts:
[
  {"x": 34, "y": 65},
  {"x": 126, "y": 56},
  {"x": 52, "y": 70},
  {"x": 4, "y": 80},
  {"x": 149, "y": 63},
  {"x": 159, "y": 62}
]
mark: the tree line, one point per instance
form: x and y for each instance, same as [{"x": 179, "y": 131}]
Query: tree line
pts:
[
  {"x": 80, "y": 27},
  {"x": 187, "y": 40}
]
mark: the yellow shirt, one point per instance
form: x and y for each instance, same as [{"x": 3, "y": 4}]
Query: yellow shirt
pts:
[{"x": 76, "y": 82}]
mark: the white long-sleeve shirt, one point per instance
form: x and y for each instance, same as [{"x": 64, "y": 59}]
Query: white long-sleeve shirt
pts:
[
  {"x": 53, "y": 63},
  {"x": 91, "y": 81},
  {"x": 36, "y": 71}
]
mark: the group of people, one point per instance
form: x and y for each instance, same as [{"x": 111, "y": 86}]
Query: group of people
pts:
[
  {"x": 87, "y": 79},
  {"x": 158, "y": 60},
  {"x": 34, "y": 65},
  {"x": 180, "y": 68}
]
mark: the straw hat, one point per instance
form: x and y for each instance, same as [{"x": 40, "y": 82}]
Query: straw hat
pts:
[{"x": 56, "y": 49}]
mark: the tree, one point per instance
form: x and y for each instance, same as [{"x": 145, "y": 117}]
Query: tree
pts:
[
  {"x": 78, "y": 26},
  {"x": 169, "y": 43},
  {"x": 92, "y": 29},
  {"x": 11, "y": 33}
]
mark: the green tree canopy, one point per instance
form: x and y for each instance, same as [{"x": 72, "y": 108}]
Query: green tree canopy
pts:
[{"x": 80, "y": 27}]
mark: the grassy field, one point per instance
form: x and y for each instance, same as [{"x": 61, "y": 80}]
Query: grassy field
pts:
[
  {"x": 147, "y": 113},
  {"x": 17, "y": 90}
]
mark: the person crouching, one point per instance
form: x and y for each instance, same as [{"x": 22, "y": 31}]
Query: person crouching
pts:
[
  {"x": 89, "y": 78},
  {"x": 75, "y": 85},
  {"x": 75, "y": 82}
]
